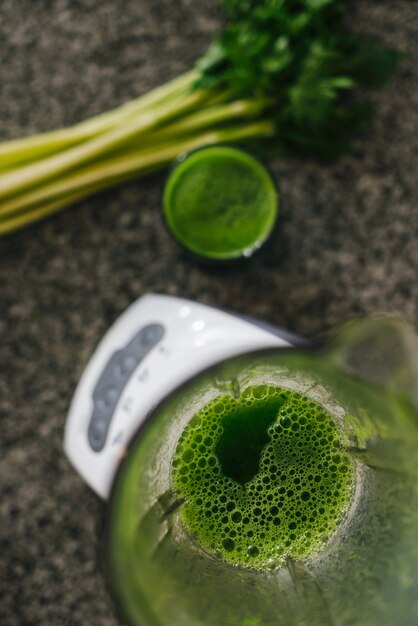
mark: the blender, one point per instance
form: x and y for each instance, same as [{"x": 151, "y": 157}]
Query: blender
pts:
[{"x": 136, "y": 400}]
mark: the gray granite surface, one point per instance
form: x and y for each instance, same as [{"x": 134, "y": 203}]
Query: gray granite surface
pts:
[{"x": 347, "y": 245}]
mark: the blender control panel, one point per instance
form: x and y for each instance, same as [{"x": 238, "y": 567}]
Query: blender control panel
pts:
[{"x": 114, "y": 378}]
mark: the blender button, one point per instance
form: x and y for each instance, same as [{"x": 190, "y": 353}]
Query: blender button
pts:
[
  {"x": 98, "y": 429},
  {"x": 108, "y": 397},
  {"x": 151, "y": 334},
  {"x": 126, "y": 364}
]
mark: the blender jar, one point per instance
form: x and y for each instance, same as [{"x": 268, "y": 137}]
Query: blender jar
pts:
[{"x": 364, "y": 574}]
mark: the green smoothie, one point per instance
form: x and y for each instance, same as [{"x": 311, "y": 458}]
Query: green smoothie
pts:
[
  {"x": 262, "y": 477},
  {"x": 220, "y": 203}
]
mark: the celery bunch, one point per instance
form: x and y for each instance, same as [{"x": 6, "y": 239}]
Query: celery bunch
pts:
[{"x": 282, "y": 72}]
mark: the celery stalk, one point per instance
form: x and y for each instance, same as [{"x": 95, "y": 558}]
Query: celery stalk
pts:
[{"x": 109, "y": 174}]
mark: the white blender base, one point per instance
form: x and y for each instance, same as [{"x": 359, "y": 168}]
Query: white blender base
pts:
[{"x": 156, "y": 344}]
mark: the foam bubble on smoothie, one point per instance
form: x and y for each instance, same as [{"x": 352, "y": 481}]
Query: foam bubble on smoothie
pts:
[{"x": 263, "y": 476}]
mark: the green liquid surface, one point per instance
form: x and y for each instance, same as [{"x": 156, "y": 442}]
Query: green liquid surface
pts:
[
  {"x": 262, "y": 477},
  {"x": 220, "y": 203}
]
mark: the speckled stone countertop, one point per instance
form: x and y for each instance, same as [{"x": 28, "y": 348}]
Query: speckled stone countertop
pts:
[{"x": 347, "y": 245}]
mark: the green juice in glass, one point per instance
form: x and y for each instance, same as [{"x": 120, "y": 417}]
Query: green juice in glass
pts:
[
  {"x": 220, "y": 203},
  {"x": 262, "y": 477}
]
